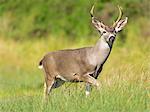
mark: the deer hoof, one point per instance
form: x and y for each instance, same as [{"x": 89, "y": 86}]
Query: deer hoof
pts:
[{"x": 87, "y": 93}]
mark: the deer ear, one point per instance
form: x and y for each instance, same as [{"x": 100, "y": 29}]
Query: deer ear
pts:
[
  {"x": 98, "y": 25},
  {"x": 121, "y": 24}
]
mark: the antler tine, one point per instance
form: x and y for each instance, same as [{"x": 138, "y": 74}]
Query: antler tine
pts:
[
  {"x": 119, "y": 17},
  {"x": 92, "y": 10}
]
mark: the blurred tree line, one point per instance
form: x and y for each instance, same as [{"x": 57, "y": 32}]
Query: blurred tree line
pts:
[{"x": 40, "y": 18}]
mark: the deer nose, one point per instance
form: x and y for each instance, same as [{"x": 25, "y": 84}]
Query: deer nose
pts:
[{"x": 112, "y": 38}]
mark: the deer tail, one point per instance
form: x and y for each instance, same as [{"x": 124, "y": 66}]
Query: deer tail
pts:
[{"x": 40, "y": 64}]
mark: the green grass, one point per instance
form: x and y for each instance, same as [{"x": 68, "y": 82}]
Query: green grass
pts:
[
  {"x": 125, "y": 77},
  {"x": 125, "y": 89}
]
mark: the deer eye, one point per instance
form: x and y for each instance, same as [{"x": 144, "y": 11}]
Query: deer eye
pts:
[{"x": 104, "y": 32}]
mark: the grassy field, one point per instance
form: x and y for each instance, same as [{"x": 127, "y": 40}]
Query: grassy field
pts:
[{"x": 125, "y": 78}]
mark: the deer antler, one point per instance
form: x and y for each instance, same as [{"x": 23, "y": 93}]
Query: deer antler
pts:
[
  {"x": 92, "y": 10},
  {"x": 119, "y": 17}
]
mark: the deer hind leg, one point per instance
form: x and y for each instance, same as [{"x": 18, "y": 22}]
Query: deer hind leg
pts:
[
  {"x": 48, "y": 87},
  {"x": 58, "y": 82}
]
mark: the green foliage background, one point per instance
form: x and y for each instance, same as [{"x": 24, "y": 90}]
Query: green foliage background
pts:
[{"x": 41, "y": 18}]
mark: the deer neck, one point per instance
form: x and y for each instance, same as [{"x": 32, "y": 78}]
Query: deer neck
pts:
[{"x": 100, "y": 52}]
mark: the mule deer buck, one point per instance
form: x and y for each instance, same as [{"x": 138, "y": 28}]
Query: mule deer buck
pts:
[{"x": 83, "y": 64}]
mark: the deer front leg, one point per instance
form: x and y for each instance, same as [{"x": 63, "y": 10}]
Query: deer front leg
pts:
[
  {"x": 87, "y": 89},
  {"x": 89, "y": 79}
]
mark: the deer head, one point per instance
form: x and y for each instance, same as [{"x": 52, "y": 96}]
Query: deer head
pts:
[{"x": 108, "y": 33}]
